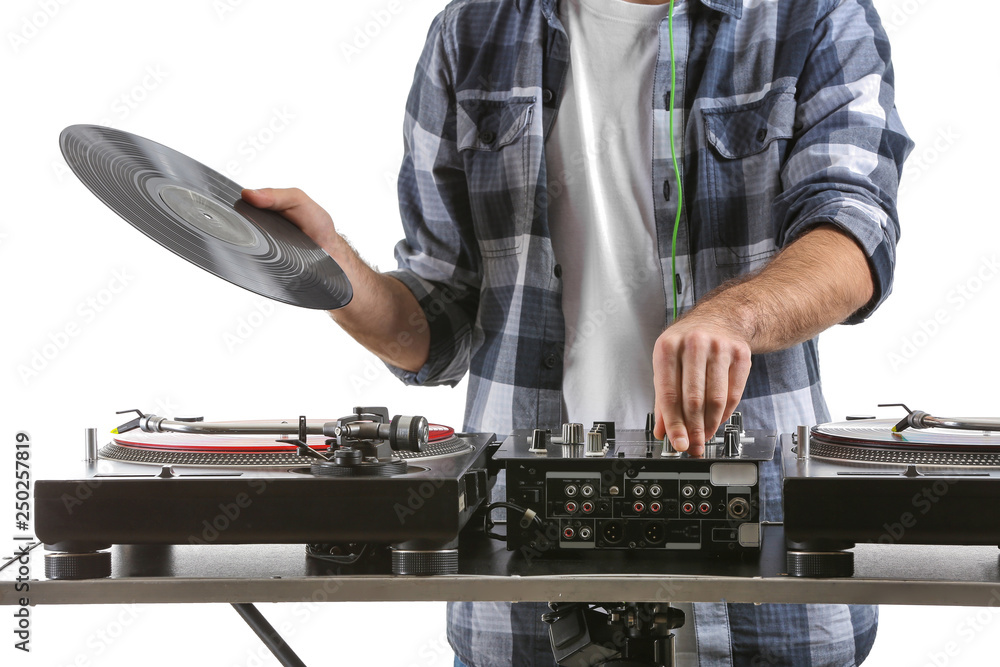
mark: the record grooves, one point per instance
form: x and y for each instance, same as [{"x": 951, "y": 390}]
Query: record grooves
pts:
[{"x": 198, "y": 214}]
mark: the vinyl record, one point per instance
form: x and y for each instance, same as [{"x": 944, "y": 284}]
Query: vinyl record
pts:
[
  {"x": 878, "y": 433},
  {"x": 198, "y": 214}
]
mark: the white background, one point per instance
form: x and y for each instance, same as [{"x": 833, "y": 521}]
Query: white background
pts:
[{"x": 206, "y": 76}]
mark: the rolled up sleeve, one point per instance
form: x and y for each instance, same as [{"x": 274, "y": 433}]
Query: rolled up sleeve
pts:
[
  {"x": 850, "y": 144},
  {"x": 438, "y": 260}
]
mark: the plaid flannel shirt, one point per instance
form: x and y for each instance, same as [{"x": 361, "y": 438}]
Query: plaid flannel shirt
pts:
[{"x": 784, "y": 119}]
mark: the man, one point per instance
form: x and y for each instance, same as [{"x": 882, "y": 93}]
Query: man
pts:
[{"x": 539, "y": 201}]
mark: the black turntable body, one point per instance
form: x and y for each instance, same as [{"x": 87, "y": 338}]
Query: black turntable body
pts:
[
  {"x": 867, "y": 481},
  {"x": 238, "y": 488}
]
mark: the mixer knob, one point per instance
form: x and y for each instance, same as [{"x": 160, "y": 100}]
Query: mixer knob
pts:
[
  {"x": 572, "y": 434},
  {"x": 731, "y": 442},
  {"x": 650, "y": 425},
  {"x": 539, "y": 440},
  {"x": 595, "y": 443},
  {"x": 737, "y": 420}
]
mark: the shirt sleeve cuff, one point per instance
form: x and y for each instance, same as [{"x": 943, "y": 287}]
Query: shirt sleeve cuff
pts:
[
  {"x": 450, "y": 333},
  {"x": 875, "y": 232}
]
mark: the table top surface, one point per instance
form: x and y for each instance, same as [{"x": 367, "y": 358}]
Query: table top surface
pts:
[{"x": 884, "y": 574}]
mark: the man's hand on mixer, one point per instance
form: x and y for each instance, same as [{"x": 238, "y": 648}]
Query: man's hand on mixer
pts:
[
  {"x": 700, "y": 367},
  {"x": 701, "y": 362},
  {"x": 383, "y": 311}
]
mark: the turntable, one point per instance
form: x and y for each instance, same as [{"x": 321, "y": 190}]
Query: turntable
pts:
[
  {"x": 347, "y": 487},
  {"x": 919, "y": 480}
]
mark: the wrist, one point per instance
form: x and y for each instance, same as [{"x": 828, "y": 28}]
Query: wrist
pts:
[{"x": 727, "y": 311}]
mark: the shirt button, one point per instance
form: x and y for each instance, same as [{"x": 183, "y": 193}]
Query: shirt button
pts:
[
  {"x": 487, "y": 136},
  {"x": 557, "y": 270},
  {"x": 550, "y": 361},
  {"x": 547, "y": 96},
  {"x": 761, "y": 134}
]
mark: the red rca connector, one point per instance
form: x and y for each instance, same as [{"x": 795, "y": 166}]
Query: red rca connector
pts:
[
  {"x": 587, "y": 507},
  {"x": 569, "y": 533},
  {"x": 687, "y": 508},
  {"x": 705, "y": 507},
  {"x": 570, "y": 507},
  {"x": 655, "y": 507},
  {"x": 638, "y": 507}
]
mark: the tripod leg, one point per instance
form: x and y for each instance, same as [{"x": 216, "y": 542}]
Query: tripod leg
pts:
[{"x": 282, "y": 651}]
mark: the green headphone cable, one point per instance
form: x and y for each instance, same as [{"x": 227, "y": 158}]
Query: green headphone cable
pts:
[{"x": 673, "y": 156}]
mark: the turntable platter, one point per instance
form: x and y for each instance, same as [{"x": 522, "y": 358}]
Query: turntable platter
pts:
[
  {"x": 873, "y": 441},
  {"x": 245, "y": 450}
]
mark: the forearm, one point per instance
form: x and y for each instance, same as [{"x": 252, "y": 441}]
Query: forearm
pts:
[
  {"x": 817, "y": 281},
  {"x": 384, "y": 316},
  {"x": 702, "y": 361}
]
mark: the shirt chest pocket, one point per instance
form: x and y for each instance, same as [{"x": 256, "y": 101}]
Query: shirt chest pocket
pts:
[
  {"x": 495, "y": 146},
  {"x": 748, "y": 144}
]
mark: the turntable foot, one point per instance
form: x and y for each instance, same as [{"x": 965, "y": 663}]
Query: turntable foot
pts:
[
  {"x": 417, "y": 558},
  {"x": 88, "y": 565},
  {"x": 820, "y": 564}
]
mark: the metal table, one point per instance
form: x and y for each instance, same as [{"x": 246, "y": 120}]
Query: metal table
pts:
[{"x": 884, "y": 574}]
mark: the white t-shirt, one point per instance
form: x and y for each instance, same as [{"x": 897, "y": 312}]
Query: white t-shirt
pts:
[{"x": 599, "y": 160}]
